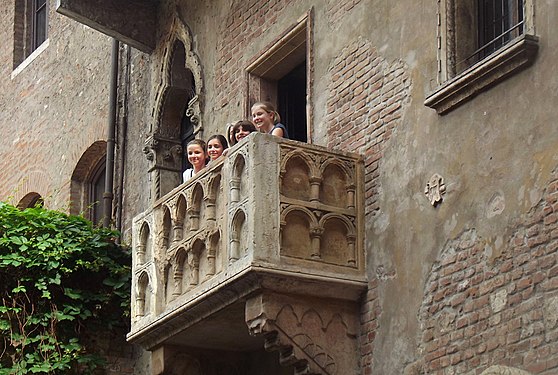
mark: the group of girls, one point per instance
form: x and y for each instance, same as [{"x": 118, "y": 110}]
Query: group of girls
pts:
[{"x": 265, "y": 119}]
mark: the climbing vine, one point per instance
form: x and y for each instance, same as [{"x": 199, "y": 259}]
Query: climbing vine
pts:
[{"x": 62, "y": 280}]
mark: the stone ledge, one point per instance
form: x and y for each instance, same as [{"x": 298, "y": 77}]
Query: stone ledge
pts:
[{"x": 510, "y": 59}]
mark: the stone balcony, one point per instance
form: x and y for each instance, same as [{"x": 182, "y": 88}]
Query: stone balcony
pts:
[{"x": 262, "y": 249}]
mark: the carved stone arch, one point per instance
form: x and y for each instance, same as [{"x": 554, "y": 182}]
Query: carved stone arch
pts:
[
  {"x": 197, "y": 252},
  {"x": 30, "y": 200},
  {"x": 300, "y": 233},
  {"x": 180, "y": 222},
  {"x": 237, "y": 181},
  {"x": 214, "y": 253},
  {"x": 145, "y": 247},
  {"x": 167, "y": 229},
  {"x": 195, "y": 209},
  {"x": 178, "y": 33},
  {"x": 338, "y": 245},
  {"x": 180, "y": 271},
  {"x": 178, "y": 105},
  {"x": 237, "y": 235},
  {"x": 87, "y": 177},
  {"x": 143, "y": 295},
  {"x": 168, "y": 282},
  {"x": 300, "y": 179},
  {"x": 212, "y": 197},
  {"x": 337, "y": 188}
]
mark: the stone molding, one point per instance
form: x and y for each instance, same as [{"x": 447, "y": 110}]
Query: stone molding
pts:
[{"x": 510, "y": 59}]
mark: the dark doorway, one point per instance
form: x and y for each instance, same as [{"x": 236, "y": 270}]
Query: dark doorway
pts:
[{"x": 291, "y": 102}]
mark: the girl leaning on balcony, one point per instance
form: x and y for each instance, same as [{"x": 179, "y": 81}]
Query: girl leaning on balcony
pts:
[
  {"x": 197, "y": 155},
  {"x": 267, "y": 120}
]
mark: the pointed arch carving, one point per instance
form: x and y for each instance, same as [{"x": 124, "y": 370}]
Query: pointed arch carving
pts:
[
  {"x": 237, "y": 235},
  {"x": 337, "y": 188},
  {"x": 338, "y": 245},
  {"x": 178, "y": 32},
  {"x": 144, "y": 250},
  {"x": 143, "y": 295},
  {"x": 180, "y": 221},
  {"x": 178, "y": 104},
  {"x": 300, "y": 179},
  {"x": 236, "y": 182},
  {"x": 300, "y": 233},
  {"x": 196, "y": 205},
  {"x": 166, "y": 229},
  {"x": 180, "y": 268}
]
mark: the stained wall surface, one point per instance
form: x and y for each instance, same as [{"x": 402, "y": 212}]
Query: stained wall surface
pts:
[{"x": 453, "y": 288}]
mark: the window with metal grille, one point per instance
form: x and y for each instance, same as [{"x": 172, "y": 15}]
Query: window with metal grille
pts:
[
  {"x": 480, "y": 42},
  {"x": 499, "y": 22}
]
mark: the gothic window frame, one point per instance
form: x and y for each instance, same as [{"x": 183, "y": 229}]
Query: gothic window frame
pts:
[{"x": 458, "y": 37}]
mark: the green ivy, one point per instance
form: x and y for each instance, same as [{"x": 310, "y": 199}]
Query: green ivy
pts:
[{"x": 61, "y": 280}]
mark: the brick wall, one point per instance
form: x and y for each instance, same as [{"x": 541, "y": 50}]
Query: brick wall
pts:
[
  {"x": 366, "y": 95},
  {"x": 337, "y": 10},
  {"x": 482, "y": 308},
  {"x": 364, "y": 106},
  {"x": 246, "y": 21}
]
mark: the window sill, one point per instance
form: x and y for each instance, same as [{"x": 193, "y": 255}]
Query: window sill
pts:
[
  {"x": 510, "y": 59},
  {"x": 29, "y": 59}
]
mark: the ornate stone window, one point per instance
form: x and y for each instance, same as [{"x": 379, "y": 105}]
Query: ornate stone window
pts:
[
  {"x": 480, "y": 43},
  {"x": 30, "y": 28}
]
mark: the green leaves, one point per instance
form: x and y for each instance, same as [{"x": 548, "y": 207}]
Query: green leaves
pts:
[{"x": 58, "y": 276}]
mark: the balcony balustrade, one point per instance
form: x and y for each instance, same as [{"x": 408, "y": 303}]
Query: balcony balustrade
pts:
[{"x": 262, "y": 248}]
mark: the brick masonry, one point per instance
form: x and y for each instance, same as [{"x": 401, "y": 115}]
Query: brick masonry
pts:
[
  {"x": 366, "y": 98},
  {"x": 480, "y": 308}
]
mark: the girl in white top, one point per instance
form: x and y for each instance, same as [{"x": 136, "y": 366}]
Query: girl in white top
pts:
[{"x": 197, "y": 156}]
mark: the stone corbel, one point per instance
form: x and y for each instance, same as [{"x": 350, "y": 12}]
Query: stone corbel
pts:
[
  {"x": 163, "y": 153},
  {"x": 315, "y": 337}
]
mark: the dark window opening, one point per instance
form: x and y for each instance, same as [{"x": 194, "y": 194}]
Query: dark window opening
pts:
[
  {"x": 96, "y": 191},
  {"x": 30, "y": 27},
  {"x": 39, "y": 22},
  {"x": 497, "y": 23},
  {"x": 291, "y": 98}
]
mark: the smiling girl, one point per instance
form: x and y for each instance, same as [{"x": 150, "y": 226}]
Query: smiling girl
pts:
[
  {"x": 197, "y": 155},
  {"x": 267, "y": 119},
  {"x": 216, "y": 144}
]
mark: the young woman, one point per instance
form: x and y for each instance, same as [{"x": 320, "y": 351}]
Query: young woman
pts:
[
  {"x": 216, "y": 144},
  {"x": 267, "y": 119},
  {"x": 196, "y": 151},
  {"x": 242, "y": 129}
]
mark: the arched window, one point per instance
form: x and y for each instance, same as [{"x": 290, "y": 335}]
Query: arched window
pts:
[
  {"x": 88, "y": 183},
  {"x": 30, "y": 200},
  {"x": 96, "y": 190}
]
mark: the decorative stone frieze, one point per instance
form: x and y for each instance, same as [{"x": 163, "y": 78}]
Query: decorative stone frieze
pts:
[{"x": 275, "y": 217}]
